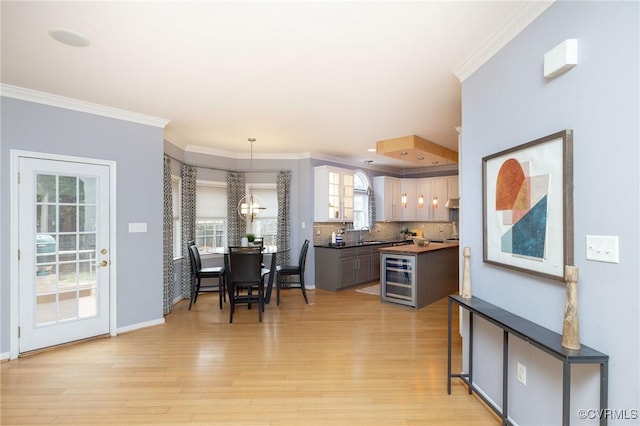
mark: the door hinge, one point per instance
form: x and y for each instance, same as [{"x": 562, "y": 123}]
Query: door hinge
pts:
[
  {"x": 18, "y": 178},
  {"x": 18, "y": 255},
  {"x": 19, "y": 329}
]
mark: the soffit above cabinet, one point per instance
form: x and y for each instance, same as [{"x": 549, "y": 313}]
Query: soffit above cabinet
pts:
[{"x": 416, "y": 150}]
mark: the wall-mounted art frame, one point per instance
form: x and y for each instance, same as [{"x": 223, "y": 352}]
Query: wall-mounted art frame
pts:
[{"x": 528, "y": 206}]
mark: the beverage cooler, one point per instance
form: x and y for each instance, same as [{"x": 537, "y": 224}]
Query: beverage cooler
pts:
[{"x": 398, "y": 278}]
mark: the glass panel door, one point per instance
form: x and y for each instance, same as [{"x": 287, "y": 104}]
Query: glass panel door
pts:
[{"x": 64, "y": 251}]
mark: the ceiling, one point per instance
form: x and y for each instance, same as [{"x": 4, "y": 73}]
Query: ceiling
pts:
[{"x": 328, "y": 78}]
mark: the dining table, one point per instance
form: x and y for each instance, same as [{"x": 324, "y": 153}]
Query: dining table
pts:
[{"x": 273, "y": 251}]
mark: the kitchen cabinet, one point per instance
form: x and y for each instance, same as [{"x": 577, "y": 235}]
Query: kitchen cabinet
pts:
[
  {"x": 354, "y": 266},
  {"x": 440, "y": 193},
  {"x": 410, "y": 210},
  {"x": 387, "y": 193},
  {"x": 375, "y": 261},
  {"x": 333, "y": 194},
  {"x": 453, "y": 188},
  {"x": 347, "y": 268},
  {"x": 362, "y": 267}
]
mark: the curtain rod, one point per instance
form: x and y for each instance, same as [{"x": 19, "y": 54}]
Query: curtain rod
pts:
[{"x": 225, "y": 170}]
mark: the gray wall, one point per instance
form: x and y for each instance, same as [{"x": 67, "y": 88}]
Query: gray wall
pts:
[
  {"x": 137, "y": 149},
  {"x": 508, "y": 102}
]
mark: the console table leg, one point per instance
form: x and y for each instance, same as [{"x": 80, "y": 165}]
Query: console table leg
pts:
[
  {"x": 604, "y": 391},
  {"x": 566, "y": 392},
  {"x": 505, "y": 376},
  {"x": 449, "y": 351},
  {"x": 470, "y": 352}
]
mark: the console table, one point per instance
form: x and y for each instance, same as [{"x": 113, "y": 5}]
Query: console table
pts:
[{"x": 536, "y": 335}]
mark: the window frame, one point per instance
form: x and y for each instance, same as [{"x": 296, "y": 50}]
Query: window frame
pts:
[
  {"x": 176, "y": 206},
  {"x": 210, "y": 220},
  {"x": 359, "y": 193},
  {"x": 270, "y": 240}
]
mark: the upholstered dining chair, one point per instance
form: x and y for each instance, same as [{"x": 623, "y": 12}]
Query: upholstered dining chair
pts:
[
  {"x": 198, "y": 273},
  {"x": 245, "y": 273},
  {"x": 293, "y": 270}
]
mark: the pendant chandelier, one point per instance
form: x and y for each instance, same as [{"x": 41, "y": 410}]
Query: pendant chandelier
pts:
[{"x": 250, "y": 206}]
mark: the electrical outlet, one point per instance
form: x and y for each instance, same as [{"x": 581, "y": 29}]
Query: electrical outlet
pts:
[{"x": 522, "y": 374}]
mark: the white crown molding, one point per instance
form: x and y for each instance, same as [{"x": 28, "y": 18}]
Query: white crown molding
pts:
[
  {"x": 515, "y": 24},
  {"x": 30, "y": 95},
  {"x": 199, "y": 149}
]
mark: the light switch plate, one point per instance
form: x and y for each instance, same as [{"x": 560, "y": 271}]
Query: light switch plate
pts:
[
  {"x": 603, "y": 248},
  {"x": 138, "y": 227}
]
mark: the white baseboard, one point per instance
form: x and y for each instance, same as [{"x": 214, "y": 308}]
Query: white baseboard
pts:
[
  {"x": 479, "y": 391},
  {"x": 4, "y": 356},
  {"x": 140, "y": 325}
]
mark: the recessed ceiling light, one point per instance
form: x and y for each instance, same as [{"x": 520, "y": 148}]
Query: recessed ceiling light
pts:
[
  {"x": 68, "y": 37},
  {"x": 372, "y": 150}
]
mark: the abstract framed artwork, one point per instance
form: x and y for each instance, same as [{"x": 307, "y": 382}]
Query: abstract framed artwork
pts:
[{"x": 528, "y": 206}]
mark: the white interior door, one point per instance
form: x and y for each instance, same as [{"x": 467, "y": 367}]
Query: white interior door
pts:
[{"x": 64, "y": 251}]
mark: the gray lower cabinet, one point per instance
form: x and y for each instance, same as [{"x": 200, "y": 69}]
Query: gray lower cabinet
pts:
[
  {"x": 338, "y": 268},
  {"x": 375, "y": 261}
]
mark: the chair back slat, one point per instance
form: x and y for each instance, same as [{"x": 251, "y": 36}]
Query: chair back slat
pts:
[
  {"x": 303, "y": 254},
  {"x": 245, "y": 265},
  {"x": 196, "y": 262}
]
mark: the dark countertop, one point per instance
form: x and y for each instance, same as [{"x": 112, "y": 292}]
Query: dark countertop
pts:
[{"x": 364, "y": 244}]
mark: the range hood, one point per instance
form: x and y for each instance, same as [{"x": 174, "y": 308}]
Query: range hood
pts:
[
  {"x": 416, "y": 150},
  {"x": 453, "y": 203}
]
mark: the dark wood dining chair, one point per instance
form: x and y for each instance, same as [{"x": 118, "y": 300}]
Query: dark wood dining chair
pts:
[
  {"x": 198, "y": 273},
  {"x": 244, "y": 282},
  {"x": 293, "y": 270}
]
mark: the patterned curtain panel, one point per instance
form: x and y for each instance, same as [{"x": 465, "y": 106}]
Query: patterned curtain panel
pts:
[
  {"x": 167, "y": 248},
  {"x": 283, "y": 235},
  {"x": 372, "y": 208},
  {"x": 188, "y": 224},
  {"x": 236, "y": 226}
]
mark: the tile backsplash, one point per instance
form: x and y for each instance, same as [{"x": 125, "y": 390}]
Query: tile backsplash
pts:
[{"x": 385, "y": 231}]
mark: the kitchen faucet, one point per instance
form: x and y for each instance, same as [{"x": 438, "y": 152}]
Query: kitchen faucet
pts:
[{"x": 364, "y": 228}]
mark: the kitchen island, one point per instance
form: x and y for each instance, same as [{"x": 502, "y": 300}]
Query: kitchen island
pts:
[{"x": 416, "y": 276}]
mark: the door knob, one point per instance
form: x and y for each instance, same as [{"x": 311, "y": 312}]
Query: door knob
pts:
[{"x": 103, "y": 263}]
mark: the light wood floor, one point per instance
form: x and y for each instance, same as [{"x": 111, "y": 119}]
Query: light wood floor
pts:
[{"x": 344, "y": 359}]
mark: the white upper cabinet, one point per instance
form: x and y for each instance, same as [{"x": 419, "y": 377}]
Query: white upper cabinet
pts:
[
  {"x": 452, "y": 187},
  {"x": 333, "y": 194},
  {"x": 434, "y": 193},
  {"x": 386, "y": 191},
  {"x": 408, "y": 210},
  {"x": 438, "y": 199}
]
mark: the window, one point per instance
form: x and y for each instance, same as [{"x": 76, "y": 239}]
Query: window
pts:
[
  {"x": 360, "y": 200},
  {"x": 176, "y": 197},
  {"x": 266, "y": 224},
  {"x": 211, "y": 216}
]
